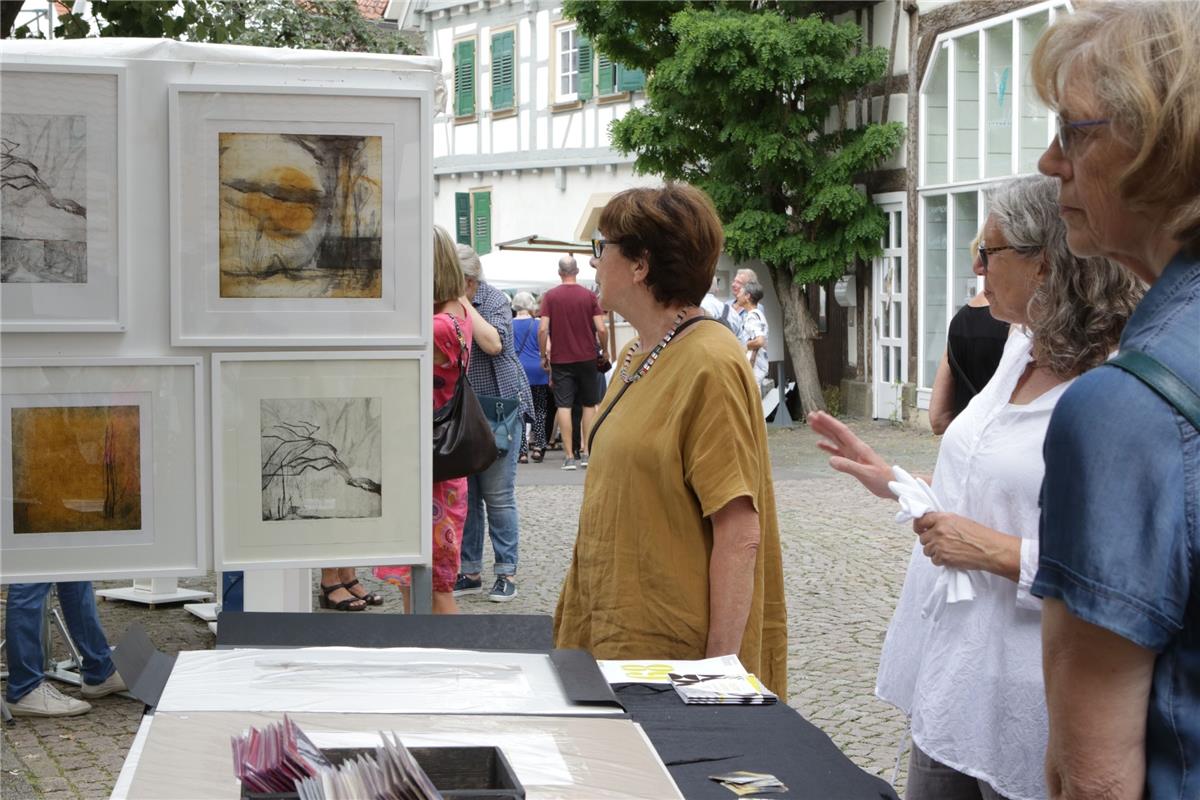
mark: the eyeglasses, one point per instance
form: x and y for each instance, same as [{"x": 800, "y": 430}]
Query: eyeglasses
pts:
[
  {"x": 1071, "y": 133},
  {"x": 985, "y": 251},
  {"x": 598, "y": 246}
]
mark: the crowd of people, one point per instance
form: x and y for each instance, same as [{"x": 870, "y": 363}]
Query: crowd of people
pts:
[{"x": 1066, "y": 496}]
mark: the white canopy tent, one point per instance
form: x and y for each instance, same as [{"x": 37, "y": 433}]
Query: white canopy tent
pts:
[{"x": 531, "y": 271}]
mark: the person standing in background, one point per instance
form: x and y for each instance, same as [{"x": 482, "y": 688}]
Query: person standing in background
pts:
[
  {"x": 973, "y": 349},
  {"x": 525, "y": 337},
  {"x": 493, "y": 371},
  {"x": 572, "y": 332}
]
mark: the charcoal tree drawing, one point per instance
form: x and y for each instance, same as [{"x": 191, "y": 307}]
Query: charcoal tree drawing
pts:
[
  {"x": 300, "y": 215},
  {"x": 76, "y": 469},
  {"x": 43, "y": 191},
  {"x": 321, "y": 458}
]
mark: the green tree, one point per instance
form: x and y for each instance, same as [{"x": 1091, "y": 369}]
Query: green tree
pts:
[
  {"x": 740, "y": 97},
  {"x": 308, "y": 24}
]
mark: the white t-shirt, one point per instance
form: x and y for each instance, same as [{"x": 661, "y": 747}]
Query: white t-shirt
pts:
[
  {"x": 754, "y": 324},
  {"x": 971, "y": 676}
]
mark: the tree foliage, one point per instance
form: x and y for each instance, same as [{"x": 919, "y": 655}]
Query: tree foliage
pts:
[
  {"x": 308, "y": 24},
  {"x": 739, "y": 100}
]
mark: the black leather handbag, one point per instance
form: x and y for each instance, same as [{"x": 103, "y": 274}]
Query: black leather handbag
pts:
[{"x": 463, "y": 442}]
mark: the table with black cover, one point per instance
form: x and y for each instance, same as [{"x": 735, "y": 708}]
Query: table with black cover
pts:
[{"x": 693, "y": 741}]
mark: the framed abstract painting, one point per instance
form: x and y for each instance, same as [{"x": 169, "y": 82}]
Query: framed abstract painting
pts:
[
  {"x": 102, "y": 469},
  {"x": 300, "y": 216},
  {"x": 320, "y": 460},
  {"x": 62, "y": 191}
]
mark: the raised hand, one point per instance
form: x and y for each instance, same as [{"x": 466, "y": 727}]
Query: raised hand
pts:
[{"x": 851, "y": 454}]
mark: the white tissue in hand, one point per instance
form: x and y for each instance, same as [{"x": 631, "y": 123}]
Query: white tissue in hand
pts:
[{"x": 917, "y": 499}]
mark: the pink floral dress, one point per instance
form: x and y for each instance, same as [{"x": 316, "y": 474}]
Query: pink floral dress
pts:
[{"x": 449, "y": 497}]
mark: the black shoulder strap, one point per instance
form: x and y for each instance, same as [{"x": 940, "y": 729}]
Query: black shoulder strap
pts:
[
  {"x": 625, "y": 388},
  {"x": 1161, "y": 379}
]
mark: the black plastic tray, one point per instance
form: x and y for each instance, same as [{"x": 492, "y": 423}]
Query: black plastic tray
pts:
[{"x": 459, "y": 773}]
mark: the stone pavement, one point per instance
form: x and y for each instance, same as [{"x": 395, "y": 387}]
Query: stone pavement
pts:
[{"x": 844, "y": 562}]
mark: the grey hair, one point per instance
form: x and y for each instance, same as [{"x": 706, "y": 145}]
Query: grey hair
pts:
[
  {"x": 753, "y": 288},
  {"x": 523, "y": 301},
  {"x": 1078, "y": 311},
  {"x": 567, "y": 265},
  {"x": 747, "y": 275},
  {"x": 468, "y": 259}
]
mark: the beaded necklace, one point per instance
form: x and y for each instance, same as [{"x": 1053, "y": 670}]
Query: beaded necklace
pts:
[{"x": 658, "y": 348}]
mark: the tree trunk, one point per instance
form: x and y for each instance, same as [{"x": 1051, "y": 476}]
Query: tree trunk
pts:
[{"x": 799, "y": 330}]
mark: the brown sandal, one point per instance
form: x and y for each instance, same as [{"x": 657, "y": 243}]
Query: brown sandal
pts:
[
  {"x": 370, "y": 598},
  {"x": 340, "y": 605},
  {"x": 536, "y": 455}
]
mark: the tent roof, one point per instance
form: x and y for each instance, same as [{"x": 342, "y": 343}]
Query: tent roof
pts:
[{"x": 531, "y": 264}]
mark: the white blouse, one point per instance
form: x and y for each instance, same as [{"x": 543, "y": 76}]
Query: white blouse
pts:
[{"x": 971, "y": 676}]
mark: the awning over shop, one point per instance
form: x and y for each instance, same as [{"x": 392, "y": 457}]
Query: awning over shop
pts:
[{"x": 531, "y": 263}]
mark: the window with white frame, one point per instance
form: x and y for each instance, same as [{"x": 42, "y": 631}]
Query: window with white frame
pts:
[
  {"x": 981, "y": 121},
  {"x": 566, "y": 41}
]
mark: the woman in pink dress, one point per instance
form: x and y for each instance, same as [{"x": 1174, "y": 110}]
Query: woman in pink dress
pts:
[{"x": 453, "y": 329}]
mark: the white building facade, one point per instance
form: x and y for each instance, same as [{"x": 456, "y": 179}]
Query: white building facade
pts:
[{"x": 523, "y": 145}]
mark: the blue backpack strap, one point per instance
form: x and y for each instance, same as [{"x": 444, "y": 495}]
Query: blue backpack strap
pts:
[{"x": 1162, "y": 380}]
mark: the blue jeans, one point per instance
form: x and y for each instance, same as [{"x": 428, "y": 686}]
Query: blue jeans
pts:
[
  {"x": 23, "y": 628},
  {"x": 495, "y": 489}
]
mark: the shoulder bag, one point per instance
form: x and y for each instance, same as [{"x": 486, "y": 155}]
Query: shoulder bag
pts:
[
  {"x": 503, "y": 413},
  {"x": 1152, "y": 372},
  {"x": 463, "y": 442}
]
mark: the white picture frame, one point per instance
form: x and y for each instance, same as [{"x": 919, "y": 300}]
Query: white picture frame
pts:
[
  {"x": 103, "y": 469},
  {"x": 320, "y": 459},
  {"x": 62, "y": 209},
  {"x": 300, "y": 216}
]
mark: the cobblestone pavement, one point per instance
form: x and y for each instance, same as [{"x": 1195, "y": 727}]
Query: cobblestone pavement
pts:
[{"x": 844, "y": 561}]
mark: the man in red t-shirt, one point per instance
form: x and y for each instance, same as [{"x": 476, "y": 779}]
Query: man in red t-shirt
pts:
[{"x": 570, "y": 337}]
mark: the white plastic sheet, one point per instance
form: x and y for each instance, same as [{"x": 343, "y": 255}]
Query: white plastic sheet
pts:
[{"x": 398, "y": 680}]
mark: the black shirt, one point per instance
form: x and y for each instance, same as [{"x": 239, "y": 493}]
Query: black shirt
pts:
[{"x": 975, "y": 344}]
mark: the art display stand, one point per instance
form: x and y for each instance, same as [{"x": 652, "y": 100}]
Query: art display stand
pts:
[{"x": 153, "y": 591}]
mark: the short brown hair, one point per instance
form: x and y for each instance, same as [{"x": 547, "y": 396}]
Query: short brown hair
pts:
[
  {"x": 676, "y": 229},
  {"x": 448, "y": 282},
  {"x": 1141, "y": 58}
]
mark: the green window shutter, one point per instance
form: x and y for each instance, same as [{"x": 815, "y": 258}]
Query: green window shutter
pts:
[
  {"x": 502, "y": 71},
  {"x": 606, "y": 75},
  {"x": 483, "y": 221},
  {"x": 630, "y": 80},
  {"x": 462, "y": 217},
  {"x": 586, "y": 79},
  {"x": 464, "y": 78}
]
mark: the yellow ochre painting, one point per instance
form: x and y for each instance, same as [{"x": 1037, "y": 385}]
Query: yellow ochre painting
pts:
[
  {"x": 301, "y": 215},
  {"x": 76, "y": 469}
]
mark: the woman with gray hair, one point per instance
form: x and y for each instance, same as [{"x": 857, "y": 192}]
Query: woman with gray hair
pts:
[{"x": 969, "y": 673}]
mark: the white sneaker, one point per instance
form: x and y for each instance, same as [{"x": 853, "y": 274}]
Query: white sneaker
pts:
[
  {"x": 46, "y": 701},
  {"x": 112, "y": 684}
]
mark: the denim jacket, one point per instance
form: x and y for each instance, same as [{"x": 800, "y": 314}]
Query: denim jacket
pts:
[{"x": 1120, "y": 527}]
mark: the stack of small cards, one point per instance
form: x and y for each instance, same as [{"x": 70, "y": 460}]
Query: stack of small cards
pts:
[
  {"x": 713, "y": 689},
  {"x": 745, "y": 784},
  {"x": 392, "y": 774},
  {"x": 275, "y": 758}
]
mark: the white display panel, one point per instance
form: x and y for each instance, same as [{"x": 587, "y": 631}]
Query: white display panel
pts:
[
  {"x": 62, "y": 248},
  {"x": 317, "y": 459},
  {"x": 298, "y": 216},
  {"x": 102, "y": 469}
]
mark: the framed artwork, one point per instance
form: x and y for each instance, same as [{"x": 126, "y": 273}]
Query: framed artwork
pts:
[
  {"x": 62, "y": 248},
  {"x": 321, "y": 460},
  {"x": 102, "y": 469},
  {"x": 300, "y": 216}
]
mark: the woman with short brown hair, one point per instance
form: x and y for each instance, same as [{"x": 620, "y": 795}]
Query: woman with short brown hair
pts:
[{"x": 677, "y": 554}]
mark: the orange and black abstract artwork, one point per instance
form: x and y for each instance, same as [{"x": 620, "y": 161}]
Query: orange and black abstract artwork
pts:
[
  {"x": 300, "y": 215},
  {"x": 76, "y": 469}
]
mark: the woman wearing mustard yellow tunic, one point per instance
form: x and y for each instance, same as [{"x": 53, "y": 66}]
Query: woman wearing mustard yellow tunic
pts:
[{"x": 677, "y": 554}]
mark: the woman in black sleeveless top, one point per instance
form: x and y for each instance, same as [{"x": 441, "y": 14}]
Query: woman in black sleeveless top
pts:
[{"x": 973, "y": 349}]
